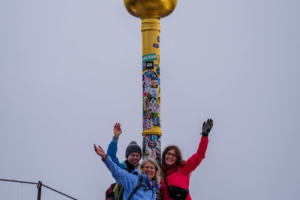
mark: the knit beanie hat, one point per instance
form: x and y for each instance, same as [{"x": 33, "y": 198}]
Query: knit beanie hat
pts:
[{"x": 133, "y": 147}]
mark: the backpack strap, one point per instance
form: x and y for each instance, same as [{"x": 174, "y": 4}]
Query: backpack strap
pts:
[
  {"x": 121, "y": 192},
  {"x": 169, "y": 190},
  {"x": 136, "y": 188}
]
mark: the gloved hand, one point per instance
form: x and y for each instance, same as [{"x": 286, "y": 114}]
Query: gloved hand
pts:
[{"x": 207, "y": 126}]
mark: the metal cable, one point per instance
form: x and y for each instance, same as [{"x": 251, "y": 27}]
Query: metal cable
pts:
[
  {"x": 41, "y": 185},
  {"x": 18, "y": 181},
  {"x": 58, "y": 191}
]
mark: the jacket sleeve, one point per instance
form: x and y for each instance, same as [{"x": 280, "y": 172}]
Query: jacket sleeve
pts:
[
  {"x": 193, "y": 162},
  {"x": 112, "y": 151},
  {"x": 127, "y": 180}
]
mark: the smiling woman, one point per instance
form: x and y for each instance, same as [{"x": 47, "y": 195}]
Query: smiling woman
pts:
[
  {"x": 172, "y": 154},
  {"x": 137, "y": 185},
  {"x": 175, "y": 184},
  {"x": 150, "y": 167}
]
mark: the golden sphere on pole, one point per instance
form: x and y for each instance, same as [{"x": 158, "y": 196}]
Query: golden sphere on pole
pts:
[{"x": 150, "y": 8}]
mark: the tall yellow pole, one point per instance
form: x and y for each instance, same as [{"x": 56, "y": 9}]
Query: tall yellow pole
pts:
[{"x": 150, "y": 12}]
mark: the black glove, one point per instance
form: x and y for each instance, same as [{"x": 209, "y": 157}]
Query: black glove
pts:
[{"x": 207, "y": 126}]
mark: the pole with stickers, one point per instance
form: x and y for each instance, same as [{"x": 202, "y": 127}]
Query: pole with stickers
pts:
[{"x": 150, "y": 12}]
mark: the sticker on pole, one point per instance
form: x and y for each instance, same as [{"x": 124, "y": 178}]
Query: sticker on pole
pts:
[
  {"x": 155, "y": 45},
  {"x": 152, "y": 144},
  {"x": 149, "y": 65},
  {"x": 149, "y": 57}
]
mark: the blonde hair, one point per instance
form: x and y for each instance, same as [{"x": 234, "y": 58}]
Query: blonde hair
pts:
[{"x": 157, "y": 176}]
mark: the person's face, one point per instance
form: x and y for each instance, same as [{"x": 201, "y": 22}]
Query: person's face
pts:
[
  {"x": 149, "y": 170},
  {"x": 170, "y": 157},
  {"x": 134, "y": 158}
]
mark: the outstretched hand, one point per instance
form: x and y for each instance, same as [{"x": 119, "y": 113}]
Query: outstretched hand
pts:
[
  {"x": 207, "y": 126},
  {"x": 100, "y": 152},
  {"x": 117, "y": 130}
]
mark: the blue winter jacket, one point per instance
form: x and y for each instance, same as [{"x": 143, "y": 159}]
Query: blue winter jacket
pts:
[
  {"x": 129, "y": 181},
  {"x": 112, "y": 153}
]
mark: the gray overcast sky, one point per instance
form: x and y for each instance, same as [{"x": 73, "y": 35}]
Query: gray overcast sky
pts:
[{"x": 70, "y": 69}]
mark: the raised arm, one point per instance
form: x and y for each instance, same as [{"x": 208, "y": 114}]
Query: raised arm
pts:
[
  {"x": 127, "y": 180},
  {"x": 113, "y": 146},
  {"x": 194, "y": 161}
]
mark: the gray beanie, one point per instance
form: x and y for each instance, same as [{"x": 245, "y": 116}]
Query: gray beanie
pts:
[{"x": 133, "y": 147}]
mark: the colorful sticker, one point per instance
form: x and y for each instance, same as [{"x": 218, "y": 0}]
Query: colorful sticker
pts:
[
  {"x": 147, "y": 83},
  {"x": 147, "y": 124},
  {"x": 155, "y": 114},
  {"x": 155, "y": 45},
  {"x": 153, "y": 100},
  {"x": 150, "y": 97},
  {"x": 151, "y": 147},
  {"x": 148, "y": 115},
  {"x": 149, "y": 65},
  {"x": 149, "y": 57},
  {"x": 153, "y": 153},
  {"x": 158, "y": 59},
  {"x": 146, "y": 79},
  {"x": 154, "y": 107},
  {"x": 156, "y": 121},
  {"x": 154, "y": 92},
  {"x": 158, "y": 39},
  {"x": 158, "y": 71},
  {"x": 146, "y": 101},
  {"x": 152, "y": 144},
  {"x": 149, "y": 73},
  {"x": 158, "y": 79},
  {"x": 154, "y": 84},
  {"x": 144, "y": 66},
  {"x": 154, "y": 75},
  {"x": 147, "y": 89}
]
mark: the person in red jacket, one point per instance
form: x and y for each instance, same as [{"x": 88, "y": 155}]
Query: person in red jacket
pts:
[{"x": 176, "y": 171}]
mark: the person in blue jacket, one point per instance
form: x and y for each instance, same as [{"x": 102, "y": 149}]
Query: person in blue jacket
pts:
[
  {"x": 133, "y": 151},
  {"x": 139, "y": 184}
]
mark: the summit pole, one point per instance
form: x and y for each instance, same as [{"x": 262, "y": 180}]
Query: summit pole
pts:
[{"x": 150, "y": 12}]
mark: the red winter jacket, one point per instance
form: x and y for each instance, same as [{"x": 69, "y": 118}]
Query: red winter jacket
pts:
[{"x": 180, "y": 176}]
